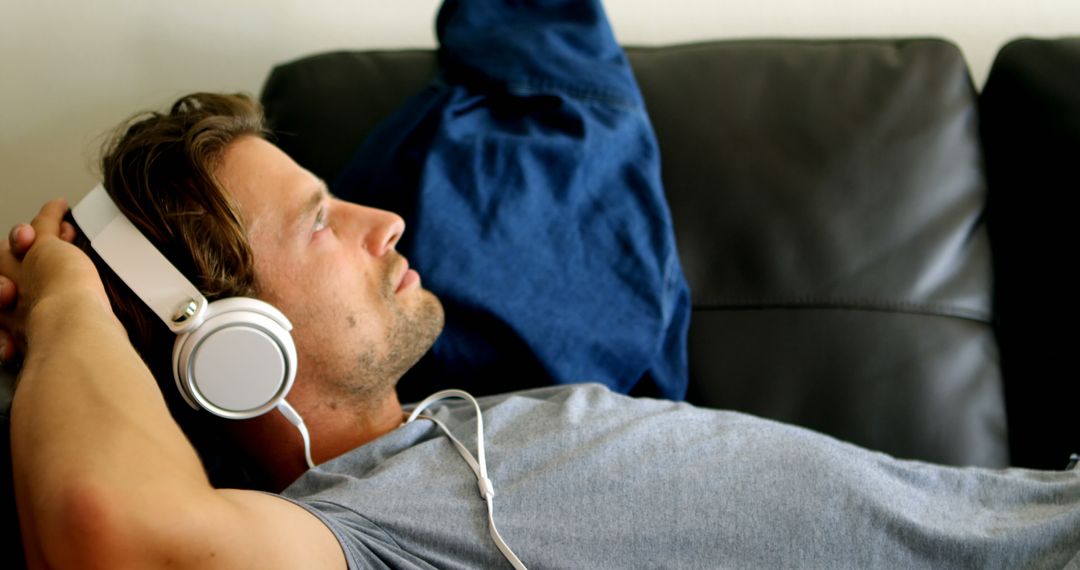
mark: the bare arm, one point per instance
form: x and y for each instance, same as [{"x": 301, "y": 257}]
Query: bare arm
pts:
[{"x": 103, "y": 476}]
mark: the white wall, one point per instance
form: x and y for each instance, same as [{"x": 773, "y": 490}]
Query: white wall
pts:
[{"x": 71, "y": 69}]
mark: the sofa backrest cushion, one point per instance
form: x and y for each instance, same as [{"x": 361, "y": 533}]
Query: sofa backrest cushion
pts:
[
  {"x": 1030, "y": 119},
  {"x": 828, "y": 200}
]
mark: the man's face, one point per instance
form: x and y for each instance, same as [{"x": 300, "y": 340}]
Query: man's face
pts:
[{"x": 360, "y": 317}]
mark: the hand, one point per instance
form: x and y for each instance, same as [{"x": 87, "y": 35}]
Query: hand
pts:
[{"x": 12, "y": 252}]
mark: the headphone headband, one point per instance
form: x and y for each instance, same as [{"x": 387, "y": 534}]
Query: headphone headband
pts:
[{"x": 138, "y": 263}]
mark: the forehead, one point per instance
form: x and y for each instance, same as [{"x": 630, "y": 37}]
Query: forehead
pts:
[{"x": 268, "y": 187}]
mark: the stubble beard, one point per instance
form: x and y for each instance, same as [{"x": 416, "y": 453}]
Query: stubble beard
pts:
[{"x": 375, "y": 375}]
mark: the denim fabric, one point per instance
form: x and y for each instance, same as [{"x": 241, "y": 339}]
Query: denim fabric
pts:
[{"x": 529, "y": 177}]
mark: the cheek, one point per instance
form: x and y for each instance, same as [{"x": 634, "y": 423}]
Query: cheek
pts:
[
  {"x": 335, "y": 301},
  {"x": 291, "y": 279},
  {"x": 327, "y": 295}
]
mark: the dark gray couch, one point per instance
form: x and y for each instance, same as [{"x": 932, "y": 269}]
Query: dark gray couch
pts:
[{"x": 831, "y": 202}]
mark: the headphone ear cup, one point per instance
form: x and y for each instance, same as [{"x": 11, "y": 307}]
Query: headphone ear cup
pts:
[{"x": 240, "y": 362}]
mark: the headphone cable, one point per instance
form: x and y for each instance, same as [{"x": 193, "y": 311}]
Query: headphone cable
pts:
[
  {"x": 478, "y": 464},
  {"x": 294, "y": 418}
]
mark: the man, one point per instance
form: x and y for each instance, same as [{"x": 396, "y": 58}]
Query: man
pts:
[{"x": 585, "y": 478}]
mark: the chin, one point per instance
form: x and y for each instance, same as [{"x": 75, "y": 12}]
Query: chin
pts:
[
  {"x": 436, "y": 319},
  {"x": 415, "y": 333}
]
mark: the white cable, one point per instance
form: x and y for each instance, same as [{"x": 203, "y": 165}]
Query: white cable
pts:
[
  {"x": 294, "y": 418},
  {"x": 479, "y": 467}
]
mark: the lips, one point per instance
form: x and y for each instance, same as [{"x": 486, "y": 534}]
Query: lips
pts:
[{"x": 406, "y": 277}]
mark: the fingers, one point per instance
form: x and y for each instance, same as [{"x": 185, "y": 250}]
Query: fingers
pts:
[
  {"x": 7, "y": 302},
  {"x": 67, "y": 232},
  {"x": 9, "y": 268},
  {"x": 20, "y": 239},
  {"x": 48, "y": 223},
  {"x": 7, "y": 293},
  {"x": 10, "y": 349},
  {"x": 22, "y": 236},
  {"x": 48, "y": 220},
  {"x": 7, "y": 348}
]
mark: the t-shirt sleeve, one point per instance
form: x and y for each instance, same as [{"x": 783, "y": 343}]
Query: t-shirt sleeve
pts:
[{"x": 365, "y": 544}]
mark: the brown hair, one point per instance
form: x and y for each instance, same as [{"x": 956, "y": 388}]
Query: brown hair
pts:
[{"x": 160, "y": 168}]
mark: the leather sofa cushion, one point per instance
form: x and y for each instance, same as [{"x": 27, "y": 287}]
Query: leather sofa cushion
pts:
[
  {"x": 827, "y": 198},
  {"x": 1030, "y": 117}
]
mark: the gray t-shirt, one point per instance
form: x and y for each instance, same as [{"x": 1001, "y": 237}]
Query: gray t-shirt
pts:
[{"x": 585, "y": 478}]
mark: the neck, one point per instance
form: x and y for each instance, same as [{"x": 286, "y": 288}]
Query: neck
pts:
[{"x": 335, "y": 428}]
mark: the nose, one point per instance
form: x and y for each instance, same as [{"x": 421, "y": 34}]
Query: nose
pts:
[{"x": 382, "y": 228}]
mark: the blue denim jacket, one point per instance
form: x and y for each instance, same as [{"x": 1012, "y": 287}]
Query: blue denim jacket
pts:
[{"x": 529, "y": 177}]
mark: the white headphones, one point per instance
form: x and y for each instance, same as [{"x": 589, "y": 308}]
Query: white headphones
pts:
[{"x": 234, "y": 357}]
